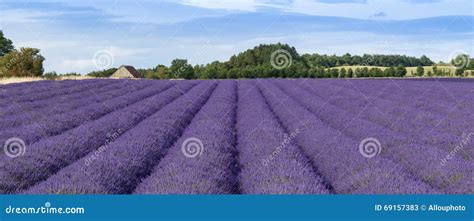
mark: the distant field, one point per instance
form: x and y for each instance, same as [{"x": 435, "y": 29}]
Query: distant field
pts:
[
  {"x": 19, "y": 80},
  {"x": 30, "y": 79},
  {"x": 266, "y": 136},
  {"x": 410, "y": 70}
]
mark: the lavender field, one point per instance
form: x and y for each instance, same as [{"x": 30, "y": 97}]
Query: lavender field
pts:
[{"x": 303, "y": 136}]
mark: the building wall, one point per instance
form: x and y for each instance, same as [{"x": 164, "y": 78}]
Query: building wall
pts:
[{"x": 122, "y": 73}]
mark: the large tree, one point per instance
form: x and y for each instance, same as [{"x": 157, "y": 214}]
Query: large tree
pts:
[
  {"x": 6, "y": 45},
  {"x": 26, "y": 62}
]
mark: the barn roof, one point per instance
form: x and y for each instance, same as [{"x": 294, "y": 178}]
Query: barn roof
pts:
[{"x": 132, "y": 71}]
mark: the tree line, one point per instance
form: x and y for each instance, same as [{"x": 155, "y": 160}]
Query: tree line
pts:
[
  {"x": 367, "y": 60},
  {"x": 260, "y": 62}
]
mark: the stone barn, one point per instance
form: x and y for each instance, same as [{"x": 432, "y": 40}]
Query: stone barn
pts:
[{"x": 126, "y": 71}]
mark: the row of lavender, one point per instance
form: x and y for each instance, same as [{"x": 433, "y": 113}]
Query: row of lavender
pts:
[
  {"x": 415, "y": 155},
  {"x": 33, "y": 91},
  {"x": 256, "y": 136}
]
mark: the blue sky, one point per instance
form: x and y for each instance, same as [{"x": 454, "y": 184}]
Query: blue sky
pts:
[{"x": 147, "y": 33}]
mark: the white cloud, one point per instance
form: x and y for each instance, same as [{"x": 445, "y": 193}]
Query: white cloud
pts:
[{"x": 393, "y": 9}]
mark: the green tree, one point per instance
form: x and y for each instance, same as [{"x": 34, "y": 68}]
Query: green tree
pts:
[
  {"x": 326, "y": 73},
  {"x": 162, "y": 71},
  {"x": 103, "y": 74},
  {"x": 211, "y": 71},
  {"x": 425, "y": 61},
  {"x": 26, "y": 62},
  {"x": 51, "y": 75},
  {"x": 312, "y": 73},
  {"x": 6, "y": 45},
  {"x": 70, "y": 74},
  {"x": 159, "y": 72},
  {"x": 389, "y": 72},
  {"x": 147, "y": 73},
  {"x": 364, "y": 72},
  {"x": 357, "y": 72},
  {"x": 372, "y": 72},
  {"x": 321, "y": 72},
  {"x": 379, "y": 72},
  {"x": 420, "y": 71},
  {"x": 459, "y": 72},
  {"x": 350, "y": 73},
  {"x": 400, "y": 71},
  {"x": 342, "y": 73},
  {"x": 334, "y": 73},
  {"x": 232, "y": 74},
  {"x": 181, "y": 69},
  {"x": 376, "y": 72},
  {"x": 435, "y": 71}
]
